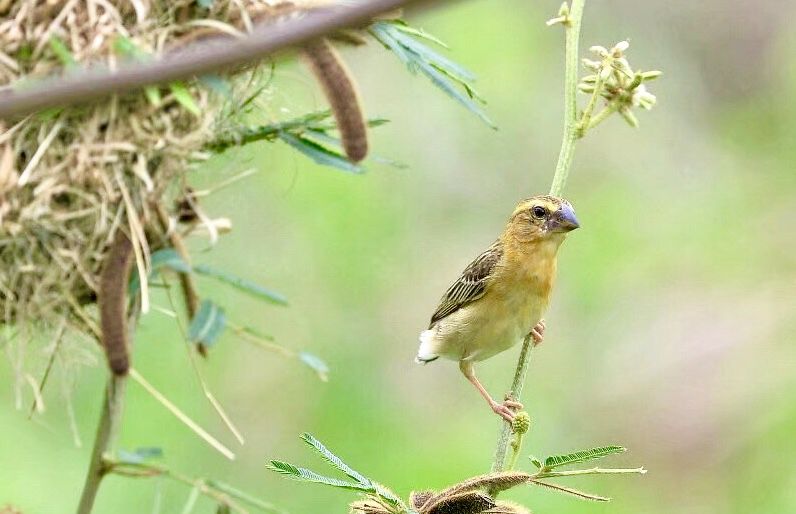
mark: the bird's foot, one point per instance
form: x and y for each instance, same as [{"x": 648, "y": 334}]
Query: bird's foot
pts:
[
  {"x": 506, "y": 410},
  {"x": 537, "y": 333}
]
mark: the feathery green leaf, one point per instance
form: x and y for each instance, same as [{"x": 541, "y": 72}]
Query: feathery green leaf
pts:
[
  {"x": 318, "y": 153},
  {"x": 334, "y": 460},
  {"x": 398, "y": 37},
  {"x": 305, "y": 475},
  {"x": 555, "y": 461},
  {"x": 242, "y": 284}
]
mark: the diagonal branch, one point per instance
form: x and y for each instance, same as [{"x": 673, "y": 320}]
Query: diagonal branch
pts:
[{"x": 209, "y": 56}]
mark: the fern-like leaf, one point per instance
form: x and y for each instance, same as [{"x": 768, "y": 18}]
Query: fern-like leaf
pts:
[
  {"x": 241, "y": 284},
  {"x": 306, "y": 475},
  {"x": 334, "y": 460},
  {"x": 399, "y": 38},
  {"x": 555, "y": 461}
]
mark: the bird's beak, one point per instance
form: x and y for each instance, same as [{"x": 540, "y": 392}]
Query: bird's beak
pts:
[{"x": 563, "y": 220}]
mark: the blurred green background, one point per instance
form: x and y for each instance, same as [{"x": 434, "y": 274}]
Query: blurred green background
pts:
[{"x": 671, "y": 330}]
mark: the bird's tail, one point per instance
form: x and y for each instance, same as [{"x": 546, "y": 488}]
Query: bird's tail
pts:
[{"x": 425, "y": 353}]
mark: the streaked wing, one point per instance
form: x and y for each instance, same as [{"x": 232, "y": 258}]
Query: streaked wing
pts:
[{"x": 471, "y": 284}]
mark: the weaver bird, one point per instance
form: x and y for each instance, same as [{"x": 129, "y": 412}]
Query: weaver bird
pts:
[{"x": 501, "y": 296}]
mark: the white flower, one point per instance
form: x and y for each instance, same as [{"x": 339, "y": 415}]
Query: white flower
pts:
[
  {"x": 620, "y": 48},
  {"x": 643, "y": 98}
]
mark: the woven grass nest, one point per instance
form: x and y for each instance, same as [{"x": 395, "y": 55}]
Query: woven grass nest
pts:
[{"x": 72, "y": 178}]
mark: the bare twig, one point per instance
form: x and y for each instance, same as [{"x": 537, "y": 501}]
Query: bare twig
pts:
[
  {"x": 186, "y": 279},
  {"x": 187, "y": 421},
  {"x": 112, "y": 407},
  {"x": 143, "y": 470},
  {"x": 200, "y": 58}
]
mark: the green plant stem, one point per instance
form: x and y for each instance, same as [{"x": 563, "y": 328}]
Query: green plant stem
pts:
[
  {"x": 570, "y": 97},
  {"x": 107, "y": 429},
  {"x": 499, "y": 463},
  {"x": 603, "y": 115},
  {"x": 590, "y": 471},
  {"x": 142, "y": 470},
  {"x": 516, "y": 446},
  {"x": 572, "y": 26},
  {"x": 109, "y": 423},
  {"x": 584, "y": 123}
]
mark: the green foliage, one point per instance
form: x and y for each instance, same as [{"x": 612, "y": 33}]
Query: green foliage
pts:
[
  {"x": 318, "y": 153},
  {"x": 333, "y": 459},
  {"x": 208, "y": 324},
  {"x": 127, "y": 48},
  {"x": 169, "y": 258},
  {"x": 184, "y": 98},
  {"x": 140, "y": 455},
  {"x": 308, "y": 134},
  {"x": 447, "y": 75},
  {"x": 241, "y": 284},
  {"x": 164, "y": 258},
  {"x": 305, "y": 475},
  {"x": 61, "y": 51},
  {"x": 360, "y": 483},
  {"x": 556, "y": 461}
]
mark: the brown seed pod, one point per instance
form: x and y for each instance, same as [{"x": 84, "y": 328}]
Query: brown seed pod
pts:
[
  {"x": 340, "y": 91},
  {"x": 112, "y": 300},
  {"x": 495, "y": 482},
  {"x": 418, "y": 499},
  {"x": 504, "y": 507},
  {"x": 466, "y": 502}
]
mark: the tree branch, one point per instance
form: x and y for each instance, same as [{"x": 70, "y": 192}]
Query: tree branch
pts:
[{"x": 209, "y": 56}]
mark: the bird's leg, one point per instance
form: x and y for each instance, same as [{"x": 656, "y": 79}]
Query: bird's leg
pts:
[
  {"x": 506, "y": 410},
  {"x": 537, "y": 332}
]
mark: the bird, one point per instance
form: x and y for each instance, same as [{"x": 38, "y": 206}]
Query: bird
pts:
[{"x": 502, "y": 295}]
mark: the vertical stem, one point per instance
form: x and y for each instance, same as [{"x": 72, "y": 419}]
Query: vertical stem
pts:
[
  {"x": 107, "y": 429},
  {"x": 570, "y": 97},
  {"x": 516, "y": 446},
  {"x": 109, "y": 424},
  {"x": 572, "y": 26},
  {"x": 515, "y": 392}
]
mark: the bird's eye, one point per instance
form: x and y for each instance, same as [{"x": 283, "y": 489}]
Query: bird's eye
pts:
[{"x": 539, "y": 212}]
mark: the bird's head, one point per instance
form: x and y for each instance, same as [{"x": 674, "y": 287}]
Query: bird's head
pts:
[{"x": 541, "y": 218}]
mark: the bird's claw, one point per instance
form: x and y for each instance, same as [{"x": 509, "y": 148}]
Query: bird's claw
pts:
[
  {"x": 537, "y": 333},
  {"x": 506, "y": 410}
]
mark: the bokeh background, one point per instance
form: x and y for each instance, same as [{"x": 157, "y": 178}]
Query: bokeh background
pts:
[{"x": 671, "y": 331}]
